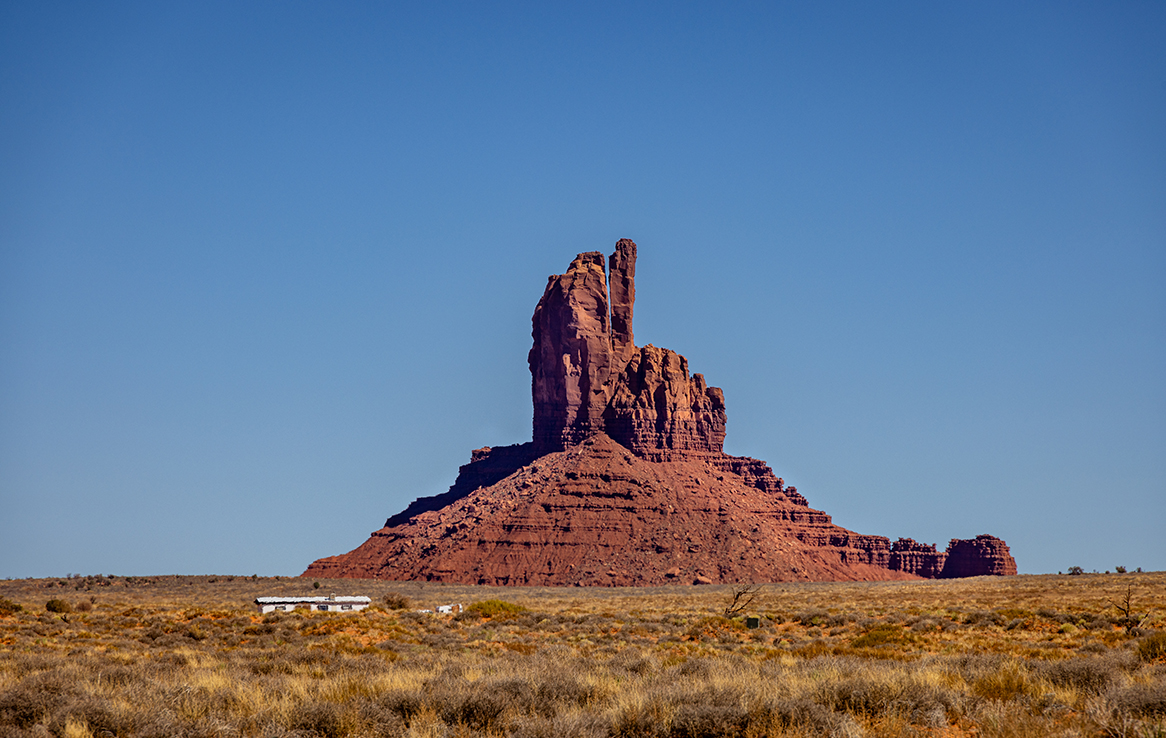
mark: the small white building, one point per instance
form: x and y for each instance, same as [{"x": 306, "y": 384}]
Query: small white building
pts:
[{"x": 323, "y": 604}]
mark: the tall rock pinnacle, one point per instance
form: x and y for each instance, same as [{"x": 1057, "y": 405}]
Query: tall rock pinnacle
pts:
[
  {"x": 570, "y": 361},
  {"x": 587, "y": 376},
  {"x": 623, "y": 300}
]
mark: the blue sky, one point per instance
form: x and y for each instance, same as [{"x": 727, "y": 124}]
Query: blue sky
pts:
[{"x": 267, "y": 269}]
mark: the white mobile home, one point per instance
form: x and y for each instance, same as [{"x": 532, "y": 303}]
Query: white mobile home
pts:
[{"x": 323, "y": 604}]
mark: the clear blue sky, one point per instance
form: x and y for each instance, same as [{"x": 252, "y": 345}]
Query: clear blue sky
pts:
[{"x": 267, "y": 269}]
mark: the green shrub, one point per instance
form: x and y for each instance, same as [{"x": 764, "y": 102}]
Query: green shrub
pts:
[
  {"x": 58, "y": 606},
  {"x": 496, "y": 609},
  {"x": 880, "y": 635},
  {"x": 8, "y": 607},
  {"x": 196, "y": 633},
  {"x": 813, "y": 618}
]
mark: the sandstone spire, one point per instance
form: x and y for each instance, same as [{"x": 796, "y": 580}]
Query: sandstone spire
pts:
[
  {"x": 623, "y": 300},
  {"x": 587, "y": 375},
  {"x": 571, "y": 359}
]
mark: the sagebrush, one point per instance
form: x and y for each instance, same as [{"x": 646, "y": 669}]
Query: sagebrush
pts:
[{"x": 166, "y": 656}]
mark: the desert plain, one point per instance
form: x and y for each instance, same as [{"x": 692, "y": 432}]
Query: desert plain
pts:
[{"x": 1047, "y": 655}]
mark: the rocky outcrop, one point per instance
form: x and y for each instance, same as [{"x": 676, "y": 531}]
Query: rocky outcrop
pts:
[
  {"x": 571, "y": 360},
  {"x": 597, "y": 514},
  {"x": 626, "y": 482},
  {"x": 658, "y": 410},
  {"x": 487, "y": 467},
  {"x": 920, "y": 559},
  {"x": 623, "y": 300},
  {"x": 757, "y": 473},
  {"x": 983, "y": 555},
  {"x": 587, "y": 375}
]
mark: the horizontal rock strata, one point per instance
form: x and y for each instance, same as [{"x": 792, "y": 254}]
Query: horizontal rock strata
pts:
[
  {"x": 597, "y": 514},
  {"x": 917, "y": 558},
  {"x": 983, "y": 555}
]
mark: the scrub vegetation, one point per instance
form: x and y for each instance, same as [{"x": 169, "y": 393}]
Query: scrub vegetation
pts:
[{"x": 191, "y": 656}]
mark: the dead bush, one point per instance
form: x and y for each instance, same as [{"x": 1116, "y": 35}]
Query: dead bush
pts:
[
  {"x": 632, "y": 662},
  {"x": 34, "y": 700},
  {"x": 984, "y": 618},
  {"x": 857, "y": 694},
  {"x": 576, "y": 725},
  {"x": 559, "y": 688},
  {"x": 1152, "y": 647},
  {"x": 928, "y": 624},
  {"x": 1093, "y": 674},
  {"x": 1145, "y": 700},
  {"x": 813, "y": 618},
  {"x": 406, "y": 704},
  {"x": 397, "y": 601},
  {"x": 325, "y": 719},
  {"x": 479, "y": 709},
  {"x": 709, "y": 720},
  {"x": 1100, "y": 622},
  {"x": 382, "y": 722},
  {"x": 694, "y": 668}
]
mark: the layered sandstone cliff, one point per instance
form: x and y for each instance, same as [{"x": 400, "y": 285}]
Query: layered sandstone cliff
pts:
[
  {"x": 625, "y": 481},
  {"x": 983, "y": 554},
  {"x": 598, "y": 514}
]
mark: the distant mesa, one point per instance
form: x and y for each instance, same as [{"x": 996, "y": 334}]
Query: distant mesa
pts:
[{"x": 625, "y": 481}]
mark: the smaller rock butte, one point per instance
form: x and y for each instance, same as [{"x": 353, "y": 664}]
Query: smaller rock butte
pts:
[{"x": 626, "y": 481}]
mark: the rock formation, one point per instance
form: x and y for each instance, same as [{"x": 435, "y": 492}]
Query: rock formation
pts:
[
  {"x": 598, "y": 514},
  {"x": 920, "y": 559},
  {"x": 571, "y": 363},
  {"x": 588, "y": 376},
  {"x": 981, "y": 555},
  {"x": 625, "y": 481}
]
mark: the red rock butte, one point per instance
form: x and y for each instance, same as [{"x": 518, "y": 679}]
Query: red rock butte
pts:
[{"x": 625, "y": 481}]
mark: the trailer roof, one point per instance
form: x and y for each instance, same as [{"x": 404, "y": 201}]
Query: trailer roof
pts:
[{"x": 278, "y": 600}]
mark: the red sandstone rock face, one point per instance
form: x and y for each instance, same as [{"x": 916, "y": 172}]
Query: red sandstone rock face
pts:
[
  {"x": 657, "y": 410},
  {"x": 623, "y": 300},
  {"x": 597, "y": 514},
  {"x": 980, "y": 556},
  {"x": 917, "y": 558},
  {"x": 588, "y": 376},
  {"x": 625, "y": 481},
  {"x": 571, "y": 360}
]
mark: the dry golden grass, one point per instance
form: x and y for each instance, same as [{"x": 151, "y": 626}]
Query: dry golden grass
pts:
[{"x": 166, "y": 656}]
